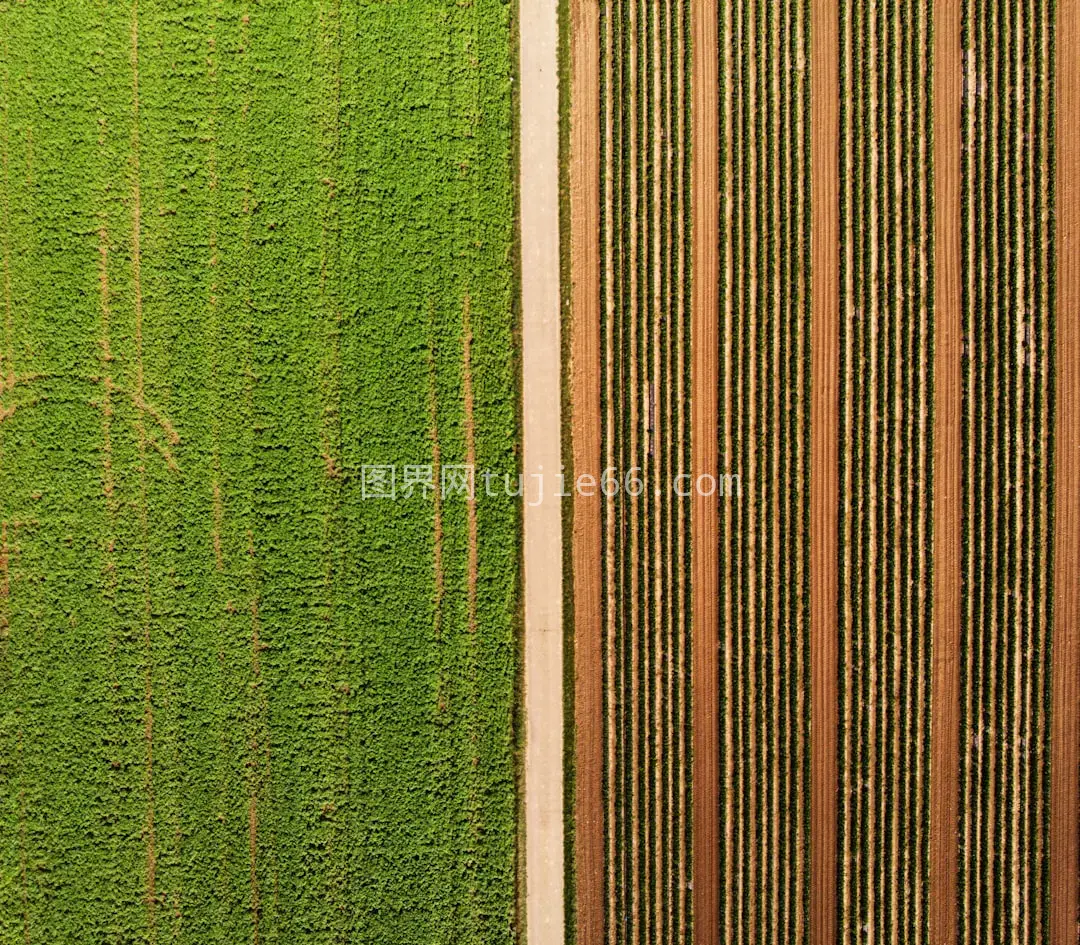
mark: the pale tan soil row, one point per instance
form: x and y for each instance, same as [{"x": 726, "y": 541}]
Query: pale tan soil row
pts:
[
  {"x": 704, "y": 389},
  {"x": 542, "y": 432},
  {"x": 1065, "y": 748},
  {"x": 823, "y": 468},
  {"x": 585, "y": 367},
  {"x": 655, "y": 448},
  {"x": 634, "y": 392},
  {"x": 945, "y": 705}
]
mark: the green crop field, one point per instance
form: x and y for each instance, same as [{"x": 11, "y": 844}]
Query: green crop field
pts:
[{"x": 247, "y": 249}]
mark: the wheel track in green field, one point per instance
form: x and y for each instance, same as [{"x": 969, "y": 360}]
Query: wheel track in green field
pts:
[{"x": 136, "y": 266}]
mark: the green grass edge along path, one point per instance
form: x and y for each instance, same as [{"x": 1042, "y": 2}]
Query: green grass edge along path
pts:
[{"x": 248, "y": 249}]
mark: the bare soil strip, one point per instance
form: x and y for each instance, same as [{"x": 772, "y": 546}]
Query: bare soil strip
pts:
[
  {"x": 824, "y": 344},
  {"x": 588, "y": 622},
  {"x": 542, "y": 432},
  {"x": 704, "y": 534},
  {"x": 945, "y": 697},
  {"x": 1065, "y": 748}
]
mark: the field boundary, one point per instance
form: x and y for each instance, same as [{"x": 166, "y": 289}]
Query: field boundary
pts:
[
  {"x": 541, "y": 374},
  {"x": 1065, "y": 733},
  {"x": 945, "y": 696},
  {"x": 585, "y": 367},
  {"x": 704, "y": 517},
  {"x": 824, "y": 470}
]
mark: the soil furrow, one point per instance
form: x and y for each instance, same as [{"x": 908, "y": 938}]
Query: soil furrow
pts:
[{"x": 1064, "y": 824}]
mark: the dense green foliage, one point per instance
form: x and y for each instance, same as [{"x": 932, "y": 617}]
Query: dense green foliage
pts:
[{"x": 243, "y": 246}]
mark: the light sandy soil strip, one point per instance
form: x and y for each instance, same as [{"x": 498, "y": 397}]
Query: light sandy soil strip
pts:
[
  {"x": 824, "y": 344},
  {"x": 1065, "y": 763},
  {"x": 704, "y": 390},
  {"x": 945, "y": 698},
  {"x": 634, "y": 393},
  {"x": 542, "y": 432}
]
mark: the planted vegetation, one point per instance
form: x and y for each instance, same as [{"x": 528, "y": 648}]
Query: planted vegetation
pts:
[
  {"x": 764, "y": 430},
  {"x": 886, "y": 442},
  {"x": 643, "y": 378},
  {"x": 1008, "y": 304},
  {"x": 246, "y": 251}
]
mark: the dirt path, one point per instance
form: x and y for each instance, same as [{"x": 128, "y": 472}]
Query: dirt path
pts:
[
  {"x": 945, "y": 709},
  {"x": 824, "y": 344},
  {"x": 1065, "y": 763},
  {"x": 704, "y": 387},
  {"x": 541, "y": 374}
]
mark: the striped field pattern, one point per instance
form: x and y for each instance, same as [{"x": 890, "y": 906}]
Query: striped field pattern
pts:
[
  {"x": 886, "y": 349},
  {"x": 763, "y": 357},
  {"x": 928, "y": 667},
  {"x": 643, "y": 378},
  {"x": 1008, "y": 295}
]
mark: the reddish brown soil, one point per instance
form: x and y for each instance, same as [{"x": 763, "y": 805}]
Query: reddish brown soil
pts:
[
  {"x": 1065, "y": 747},
  {"x": 588, "y": 623},
  {"x": 824, "y": 486},
  {"x": 704, "y": 386},
  {"x": 945, "y": 708}
]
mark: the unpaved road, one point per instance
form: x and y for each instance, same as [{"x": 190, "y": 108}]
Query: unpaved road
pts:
[{"x": 541, "y": 373}]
